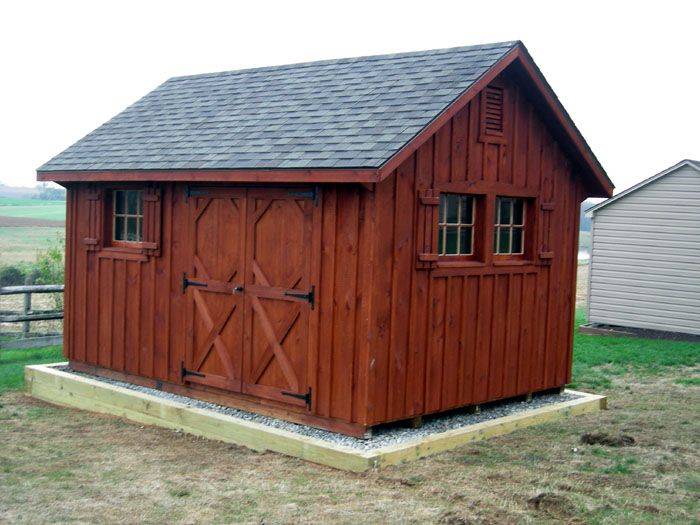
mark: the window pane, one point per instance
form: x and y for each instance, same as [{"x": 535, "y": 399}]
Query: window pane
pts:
[
  {"x": 518, "y": 211},
  {"x": 505, "y": 211},
  {"x": 452, "y": 204},
  {"x": 118, "y": 201},
  {"x": 465, "y": 240},
  {"x": 119, "y": 229},
  {"x": 441, "y": 242},
  {"x": 467, "y": 208},
  {"x": 504, "y": 240},
  {"x": 132, "y": 202},
  {"x": 495, "y": 240},
  {"x": 131, "y": 229},
  {"x": 451, "y": 240},
  {"x": 443, "y": 206},
  {"x": 517, "y": 240}
]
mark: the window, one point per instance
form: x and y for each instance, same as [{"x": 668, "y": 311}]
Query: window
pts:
[
  {"x": 456, "y": 224},
  {"x": 127, "y": 216},
  {"x": 509, "y": 230}
]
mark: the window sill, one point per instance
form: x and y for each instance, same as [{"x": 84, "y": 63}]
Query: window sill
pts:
[
  {"x": 446, "y": 263},
  {"x": 513, "y": 262},
  {"x": 135, "y": 253}
]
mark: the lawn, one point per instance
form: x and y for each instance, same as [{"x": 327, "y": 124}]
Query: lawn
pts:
[
  {"x": 33, "y": 208},
  {"x": 64, "y": 465}
]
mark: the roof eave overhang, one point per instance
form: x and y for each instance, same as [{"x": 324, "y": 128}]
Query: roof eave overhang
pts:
[
  {"x": 309, "y": 176},
  {"x": 590, "y": 211},
  {"x": 597, "y": 183}
]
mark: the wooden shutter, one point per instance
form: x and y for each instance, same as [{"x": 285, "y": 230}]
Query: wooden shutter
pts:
[
  {"x": 493, "y": 103},
  {"x": 546, "y": 252},
  {"x": 94, "y": 200},
  {"x": 151, "y": 221},
  {"x": 427, "y": 229}
]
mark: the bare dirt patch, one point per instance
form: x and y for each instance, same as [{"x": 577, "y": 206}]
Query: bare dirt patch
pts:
[{"x": 66, "y": 465}]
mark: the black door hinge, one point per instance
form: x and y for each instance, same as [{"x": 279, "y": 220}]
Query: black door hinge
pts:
[
  {"x": 304, "y": 397},
  {"x": 309, "y": 296},
  {"x": 186, "y": 282},
  {"x": 184, "y": 372},
  {"x": 312, "y": 193}
]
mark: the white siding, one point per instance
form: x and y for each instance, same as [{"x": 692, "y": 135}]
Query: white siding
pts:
[{"x": 645, "y": 265}]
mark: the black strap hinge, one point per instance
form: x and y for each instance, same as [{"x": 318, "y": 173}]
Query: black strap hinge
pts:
[
  {"x": 186, "y": 282},
  {"x": 184, "y": 372},
  {"x": 312, "y": 194},
  {"x": 308, "y": 296},
  {"x": 304, "y": 397}
]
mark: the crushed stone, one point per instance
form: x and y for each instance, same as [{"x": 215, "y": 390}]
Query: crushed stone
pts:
[{"x": 381, "y": 436}]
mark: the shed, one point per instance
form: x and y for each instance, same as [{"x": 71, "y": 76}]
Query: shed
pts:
[
  {"x": 342, "y": 243},
  {"x": 645, "y": 261}
]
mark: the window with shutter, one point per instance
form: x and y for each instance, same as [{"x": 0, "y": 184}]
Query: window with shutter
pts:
[
  {"x": 131, "y": 218},
  {"x": 492, "y": 114}
]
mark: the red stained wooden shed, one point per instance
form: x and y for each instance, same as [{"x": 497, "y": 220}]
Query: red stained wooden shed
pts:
[{"x": 341, "y": 243}]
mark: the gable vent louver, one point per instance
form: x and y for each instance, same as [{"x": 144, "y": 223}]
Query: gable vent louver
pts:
[{"x": 493, "y": 110}]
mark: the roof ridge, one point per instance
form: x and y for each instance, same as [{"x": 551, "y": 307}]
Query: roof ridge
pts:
[{"x": 385, "y": 56}]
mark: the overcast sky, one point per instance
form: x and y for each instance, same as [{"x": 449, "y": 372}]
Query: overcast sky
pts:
[{"x": 627, "y": 72}]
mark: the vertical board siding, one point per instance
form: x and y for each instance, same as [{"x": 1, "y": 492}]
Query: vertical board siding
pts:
[
  {"x": 645, "y": 260},
  {"x": 393, "y": 341},
  {"x": 471, "y": 335}
]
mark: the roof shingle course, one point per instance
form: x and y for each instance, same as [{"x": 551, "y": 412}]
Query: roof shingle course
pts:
[{"x": 347, "y": 113}]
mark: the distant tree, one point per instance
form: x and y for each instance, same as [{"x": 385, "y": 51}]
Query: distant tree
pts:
[{"x": 50, "y": 193}]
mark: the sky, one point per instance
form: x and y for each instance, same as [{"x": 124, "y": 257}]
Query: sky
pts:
[{"x": 627, "y": 72}]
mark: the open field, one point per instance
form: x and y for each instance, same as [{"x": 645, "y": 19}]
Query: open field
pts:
[
  {"x": 21, "y": 244},
  {"x": 33, "y": 208},
  {"x": 28, "y": 226},
  {"x": 63, "y": 465}
]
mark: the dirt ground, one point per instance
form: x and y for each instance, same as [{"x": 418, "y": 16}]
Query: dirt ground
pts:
[
  {"x": 65, "y": 465},
  {"x": 582, "y": 285}
]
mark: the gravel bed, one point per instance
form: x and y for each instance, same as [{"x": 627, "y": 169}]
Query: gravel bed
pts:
[{"x": 381, "y": 436}]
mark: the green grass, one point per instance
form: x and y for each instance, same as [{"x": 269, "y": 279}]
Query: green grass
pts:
[
  {"x": 12, "y": 364},
  {"x": 597, "y": 359},
  {"x": 33, "y": 208},
  {"x": 21, "y": 244}
]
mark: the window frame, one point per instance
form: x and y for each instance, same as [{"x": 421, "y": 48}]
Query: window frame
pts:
[
  {"x": 109, "y": 221},
  {"x": 443, "y": 225},
  {"x": 525, "y": 226}
]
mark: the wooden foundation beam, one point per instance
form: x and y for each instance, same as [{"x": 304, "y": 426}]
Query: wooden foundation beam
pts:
[{"x": 48, "y": 383}]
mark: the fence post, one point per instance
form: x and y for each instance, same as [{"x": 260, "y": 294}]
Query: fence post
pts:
[{"x": 26, "y": 310}]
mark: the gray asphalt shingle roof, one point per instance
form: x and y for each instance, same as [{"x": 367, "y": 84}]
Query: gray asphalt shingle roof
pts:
[{"x": 348, "y": 113}]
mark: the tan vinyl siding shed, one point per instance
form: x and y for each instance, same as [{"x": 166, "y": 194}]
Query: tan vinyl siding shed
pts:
[{"x": 645, "y": 261}]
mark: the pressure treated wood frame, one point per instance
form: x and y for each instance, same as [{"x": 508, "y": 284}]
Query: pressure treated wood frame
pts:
[
  {"x": 47, "y": 383},
  {"x": 396, "y": 331}
]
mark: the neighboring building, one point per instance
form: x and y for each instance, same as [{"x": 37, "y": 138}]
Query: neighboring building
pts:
[
  {"x": 645, "y": 266},
  {"x": 321, "y": 241}
]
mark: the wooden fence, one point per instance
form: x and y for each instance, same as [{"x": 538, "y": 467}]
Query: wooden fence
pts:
[{"x": 26, "y": 338}]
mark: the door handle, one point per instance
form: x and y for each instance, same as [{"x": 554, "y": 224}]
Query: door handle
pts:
[{"x": 237, "y": 289}]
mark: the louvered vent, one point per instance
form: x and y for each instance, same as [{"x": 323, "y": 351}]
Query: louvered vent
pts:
[{"x": 493, "y": 111}]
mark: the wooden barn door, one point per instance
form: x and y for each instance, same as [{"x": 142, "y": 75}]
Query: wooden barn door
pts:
[
  {"x": 214, "y": 288},
  {"x": 282, "y": 263}
]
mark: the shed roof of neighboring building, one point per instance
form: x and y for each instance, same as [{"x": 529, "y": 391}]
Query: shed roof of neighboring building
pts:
[
  {"x": 686, "y": 162},
  {"x": 347, "y": 114}
]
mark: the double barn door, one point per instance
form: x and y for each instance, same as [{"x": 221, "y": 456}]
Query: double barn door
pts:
[{"x": 250, "y": 290}]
